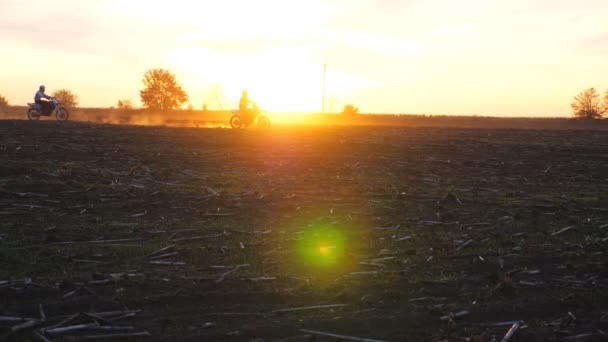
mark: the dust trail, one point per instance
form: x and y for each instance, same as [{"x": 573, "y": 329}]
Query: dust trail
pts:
[
  {"x": 146, "y": 118},
  {"x": 221, "y": 119}
]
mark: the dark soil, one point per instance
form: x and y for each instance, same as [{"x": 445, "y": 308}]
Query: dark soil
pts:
[{"x": 400, "y": 234}]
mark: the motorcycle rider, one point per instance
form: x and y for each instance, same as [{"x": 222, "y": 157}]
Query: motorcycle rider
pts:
[
  {"x": 248, "y": 112},
  {"x": 44, "y": 101}
]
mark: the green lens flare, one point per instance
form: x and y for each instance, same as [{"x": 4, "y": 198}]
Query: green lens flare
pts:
[{"x": 321, "y": 247}]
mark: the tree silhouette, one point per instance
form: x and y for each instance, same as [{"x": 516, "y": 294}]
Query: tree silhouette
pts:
[
  {"x": 587, "y": 105},
  {"x": 67, "y": 97},
  {"x": 606, "y": 102},
  {"x": 3, "y": 102},
  {"x": 350, "y": 109},
  {"x": 161, "y": 90}
]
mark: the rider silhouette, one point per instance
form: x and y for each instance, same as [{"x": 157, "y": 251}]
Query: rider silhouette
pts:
[
  {"x": 247, "y": 111},
  {"x": 40, "y": 97}
]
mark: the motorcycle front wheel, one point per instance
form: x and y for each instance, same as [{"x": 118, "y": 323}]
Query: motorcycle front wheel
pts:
[
  {"x": 235, "y": 122},
  {"x": 32, "y": 114},
  {"x": 62, "y": 114},
  {"x": 264, "y": 122}
]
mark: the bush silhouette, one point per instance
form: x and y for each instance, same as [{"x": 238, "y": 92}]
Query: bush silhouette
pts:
[
  {"x": 125, "y": 104},
  {"x": 350, "y": 109}
]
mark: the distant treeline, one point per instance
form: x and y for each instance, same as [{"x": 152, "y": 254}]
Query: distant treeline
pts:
[{"x": 198, "y": 118}]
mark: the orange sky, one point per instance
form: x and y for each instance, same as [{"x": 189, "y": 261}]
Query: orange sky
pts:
[{"x": 483, "y": 57}]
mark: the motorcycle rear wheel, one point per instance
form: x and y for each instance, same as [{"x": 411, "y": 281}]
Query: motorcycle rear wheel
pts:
[
  {"x": 62, "y": 114},
  {"x": 33, "y": 114}
]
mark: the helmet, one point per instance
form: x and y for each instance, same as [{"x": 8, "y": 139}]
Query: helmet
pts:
[
  {"x": 244, "y": 92},
  {"x": 41, "y": 87}
]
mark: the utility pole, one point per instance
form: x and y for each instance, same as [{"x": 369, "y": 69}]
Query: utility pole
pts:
[{"x": 324, "y": 73}]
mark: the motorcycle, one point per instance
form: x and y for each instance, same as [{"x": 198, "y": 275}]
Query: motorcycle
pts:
[
  {"x": 35, "y": 111},
  {"x": 260, "y": 117}
]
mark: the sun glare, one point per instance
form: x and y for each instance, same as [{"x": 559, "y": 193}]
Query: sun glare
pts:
[
  {"x": 277, "y": 59},
  {"x": 280, "y": 81}
]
